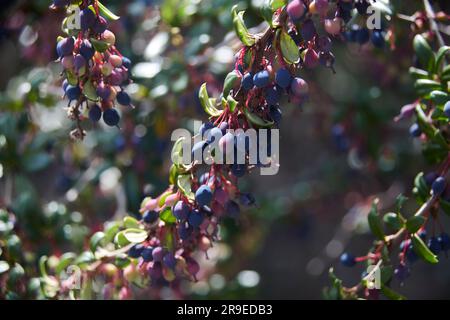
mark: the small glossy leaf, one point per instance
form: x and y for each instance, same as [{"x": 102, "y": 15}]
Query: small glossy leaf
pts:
[
  {"x": 440, "y": 56},
  {"x": 240, "y": 28},
  {"x": 414, "y": 223},
  {"x": 439, "y": 97},
  {"x": 392, "y": 220},
  {"x": 207, "y": 104},
  {"x": 184, "y": 184},
  {"x": 167, "y": 216},
  {"x": 391, "y": 294},
  {"x": 173, "y": 173},
  {"x": 106, "y": 12},
  {"x": 95, "y": 240},
  {"x": 256, "y": 120},
  {"x": 65, "y": 260},
  {"x": 422, "y": 250},
  {"x": 424, "y": 52},
  {"x": 231, "y": 80},
  {"x": 84, "y": 258},
  {"x": 232, "y": 103},
  {"x": 89, "y": 91},
  {"x": 4, "y": 266},
  {"x": 162, "y": 198},
  {"x": 130, "y": 222},
  {"x": 128, "y": 236},
  {"x": 418, "y": 73},
  {"x": 425, "y": 86},
  {"x": 424, "y": 123},
  {"x": 374, "y": 222},
  {"x": 99, "y": 45},
  {"x": 288, "y": 48}
]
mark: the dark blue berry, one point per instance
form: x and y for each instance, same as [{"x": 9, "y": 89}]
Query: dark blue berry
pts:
[
  {"x": 415, "y": 131},
  {"x": 181, "y": 210},
  {"x": 135, "y": 251},
  {"x": 246, "y": 199},
  {"x": 362, "y": 36},
  {"x": 126, "y": 62},
  {"x": 100, "y": 25},
  {"x": 147, "y": 254},
  {"x": 213, "y": 135},
  {"x": 203, "y": 195},
  {"x": 123, "y": 98},
  {"x": 401, "y": 272},
  {"x": 223, "y": 126},
  {"x": 444, "y": 241},
  {"x": 205, "y": 127},
  {"x": 169, "y": 261},
  {"x": 411, "y": 255},
  {"x": 438, "y": 186},
  {"x": 261, "y": 79},
  {"x": 195, "y": 218},
  {"x": 272, "y": 95},
  {"x": 247, "y": 81},
  {"x": 111, "y": 117},
  {"x": 184, "y": 231},
  {"x": 238, "y": 170},
  {"x": 283, "y": 78},
  {"x": 87, "y": 18},
  {"x": 150, "y": 216},
  {"x": 447, "y": 109},
  {"x": 377, "y": 39},
  {"x": 434, "y": 245},
  {"x": 73, "y": 92},
  {"x": 275, "y": 114},
  {"x": 348, "y": 259},
  {"x": 95, "y": 113},
  {"x": 86, "y": 49}
]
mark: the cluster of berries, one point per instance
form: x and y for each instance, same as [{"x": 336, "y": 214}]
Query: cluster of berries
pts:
[{"x": 94, "y": 70}]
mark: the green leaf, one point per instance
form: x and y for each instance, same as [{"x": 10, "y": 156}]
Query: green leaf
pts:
[
  {"x": 207, "y": 104},
  {"x": 424, "y": 123},
  {"x": 85, "y": 258},
  {"x": 267, "y": 12},
  {"x": 256, "y": 120},
  {"x": 96, "y": 239},
  {"x": 421, "y": 190},
  {"x": 392, "y": 220},
  {"x": 232, "y": 80},
  {"x": 106, "y": 12},
  {"x": 173, "y": 174},
  {"x": 99, "y": 45},
  {"x": 184, "y": 184},
  {"x": 89, "y": 91},
  {"x": 445, "y": 74},
  {"x": 386, "y": 273},
  {"x": 424, "y": 52},
  {"x": 64, "y": 261},
  {"x": 128, "y": 236},
  {"x": 425, "y": 86},
  {"x": 167, "y": 216},
  {"x": 162, "y": 198},
  {"x": 422, "y": 250},
  {"x": 440, "y": 56},
  {"x": 277, "y": 4},
  {"x": 391, "y": 294},
  {"x": 177, "y": 151},
  {"x": 418, "y": 73},
  {"x": 130, "y": 222},
  {"x": 288, "y": 48},
  {"x": 232, "y": 103},
  {"x": 43, "y": 266},
  {"x": 240, "y": 28},
  {"x": 414, "y": 223},
  {"x": 374, "y": 221},
  {"x": 4, "y": 266},
  {"x": 439, "y": 97}
]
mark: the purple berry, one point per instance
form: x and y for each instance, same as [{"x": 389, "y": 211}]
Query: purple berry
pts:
[
  {"x": 158, "y": 254},
  {"x": 65, "y": 47},
  {"x": 147, "y": 254},
  {"x": 447, "y": 109},
  {"x": 308, "y": 31},
  {"x": 87, "y": 18},
  {"x": 272, "y": 95},
  {"x": 203, "y": 195},
  {"x": 438, "y": 186},
  {"x": 296, "y": 9},
  {"x": 181, "y": 210},
  {"x": 261, "y": 79},
  {"x": 100, "y": 25},
  {"x": 86, "y": 49},
  {"x": 169, "y": 261}
]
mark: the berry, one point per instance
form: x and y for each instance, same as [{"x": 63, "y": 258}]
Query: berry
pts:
[
  {"x": 447, "y": 109},
  {"x": 126, "y": 62},
  {"x": 438, "y": 186},
  {"x": 213, "y": 134},
  {"x": 272, "y": 95},
  {"x": 283, "y": 78},
  {"x": 195, "y": 218},
  {"x": 147, "y": 254},
  {"x": 444, "y": 241},
  {"x": 275, "y": 114},
  {"x": 415, "y": 131},
  {"x": 223, "y": 126},
  {"x": 323, "y": 43},
  {"x": 362, "y": 6},
  {"x": 321, "y": 6},
  {"x": 184, "y": 231},
  {"x": 100, "y": 25},
  {"x": 232, "y": 209},
  {"x": 261, "y": 79},
  {"x": 203, "y": 195},
  {"x": 111, "y": 117},
  {"x": 65, "y": 47},
  {"x": 150, "y": 216},
  {"x": 308, "y": 31},
  {"x": 411, "y": 254},
  {"x": 135, "y": 251},
  {"x": 73, "y": 92},
  {"x": 238, "y": 170},
  {"x": 347, "y": 259},
  {"x": 123, "y": 98},
  {"x": 158, "y": 254},
  {"x": 434, "y": 245},
  {"x": 377, "y": 39},
  {"x": 104, "y": 91},
  {"x": 60, "y": 3},
  {"x": 87, "y": 19},
  {"x": 205, "y": 127},
  {"x": 95, "y": 113},
  {"x": 299, "y": 87},
  {"x": 181, "y": 210},
  {"x": 362, "y": 36},
  {"x": 401, "y": 272},
  {"x": 430, "y": 177},
  {"x": 296, "y": 9},
  {"x": 169, "y": 261},
  {"x": 333, "y": 26},
  {"x": 197, "y": 150},
  {"x": 86, "y": 49},
  {"x": 247, "y": 81},
  {"x": 79, "y": 62}
]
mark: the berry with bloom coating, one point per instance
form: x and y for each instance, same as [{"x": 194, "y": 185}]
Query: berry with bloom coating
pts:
[
  {"x": 147, "y": 254},
  {"x": 247, "y": 81},
  {"x": 377, "y": 39},
  {"x": 150, "y": 216},
  {"x": 261, "y": 79},
  {"x": 123, "y": 98},
  {"x": 296, "y": 9},
  {"x": 434, "y": 245},
  {"x": 438, "y": 186},
  {"x": 415, "y": 131},
  {"x": 299, "y": 87},
  {"x": 203, "y": 195},
  {"x": 73, "y": 92},
  {"x": 272, "y": 95},
  {"x": 347, "y": 259},
  {"x": 95, "y": 113},
  {"x": 87, "y": 18},
  {"x": 86, "y": 49},
  {"x": 181, "y": 210},
  {"x": 447, "y": 109},
  {"x": 195, "y": 218},
  {"x": 158, "y": 254},
  {"x": 135, "y": 251},
  {"x": 111, "y": 117},
  {"x": 283, "y": 78}
]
